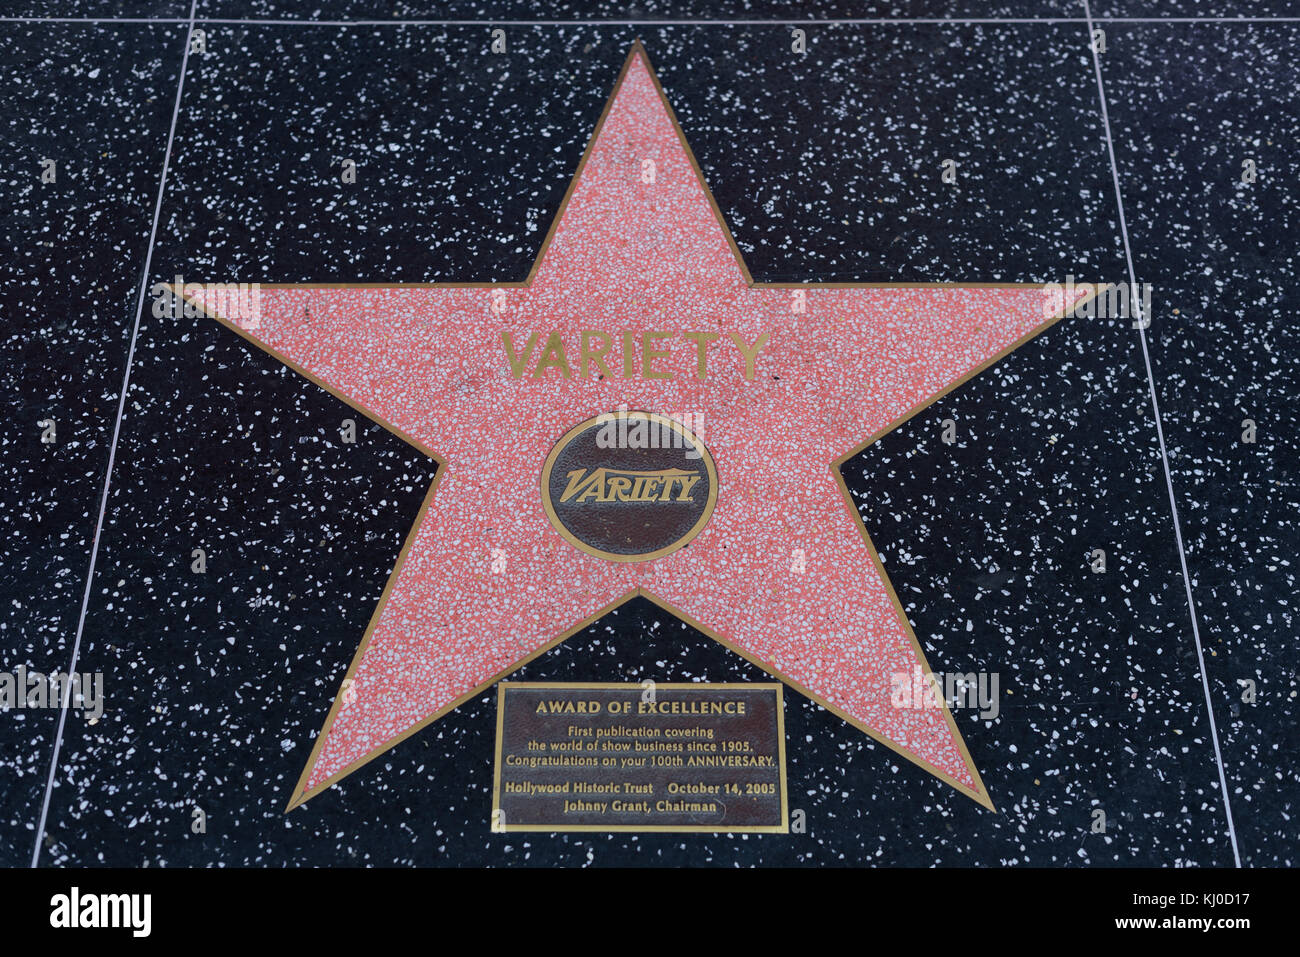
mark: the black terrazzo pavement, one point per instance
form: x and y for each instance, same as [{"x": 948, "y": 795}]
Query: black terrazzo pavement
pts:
[
  {"x": 98, "y": 101},
  {"x": 486, "y": 11},
  {"x": 1224, "y": 259},
  {"x": 464, "y": 158},
  {"x": 217, "y": 683},
  {"x": 97, "y": 9}
]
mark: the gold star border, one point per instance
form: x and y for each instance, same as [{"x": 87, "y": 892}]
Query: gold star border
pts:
[{"x": 300, "y": 792}]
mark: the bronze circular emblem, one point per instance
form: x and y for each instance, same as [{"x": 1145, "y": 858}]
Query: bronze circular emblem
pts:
[{"x": 629, "y": 486}]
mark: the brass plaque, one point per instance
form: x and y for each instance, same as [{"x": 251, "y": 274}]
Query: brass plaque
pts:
[{"x": 630, "y": 757}]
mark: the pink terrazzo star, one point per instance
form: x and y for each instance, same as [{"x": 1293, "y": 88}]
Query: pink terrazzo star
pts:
[{"x": 486, "y": 583}]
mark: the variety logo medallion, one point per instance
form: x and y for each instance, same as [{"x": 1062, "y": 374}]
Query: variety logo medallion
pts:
[{"x": 629, "y": 486}]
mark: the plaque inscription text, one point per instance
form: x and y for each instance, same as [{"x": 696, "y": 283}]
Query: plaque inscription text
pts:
[{"x": 628, "y": 757}]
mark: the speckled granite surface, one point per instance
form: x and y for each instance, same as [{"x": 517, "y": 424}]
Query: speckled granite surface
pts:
[{"x": 826, "y": 168}]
